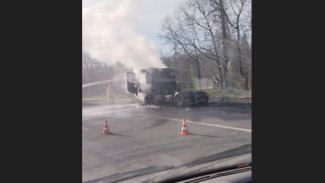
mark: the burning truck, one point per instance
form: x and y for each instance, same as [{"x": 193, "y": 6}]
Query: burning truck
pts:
[{"x": 160, "y": 87}]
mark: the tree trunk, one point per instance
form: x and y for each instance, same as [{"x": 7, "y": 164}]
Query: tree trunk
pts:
[
  {"x": 242, "y": 73},
  {"x": 199, "y": 72},
  {"x": 225, "y": 42}
]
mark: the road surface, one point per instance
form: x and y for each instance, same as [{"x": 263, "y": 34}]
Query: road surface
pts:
[{"x": 144, "y": 136}]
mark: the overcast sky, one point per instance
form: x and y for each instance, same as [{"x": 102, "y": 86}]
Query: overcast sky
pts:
[{"x": 145, "y": 16}]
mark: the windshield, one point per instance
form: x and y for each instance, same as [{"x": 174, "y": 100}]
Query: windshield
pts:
[{"x": 166, "y": 86}]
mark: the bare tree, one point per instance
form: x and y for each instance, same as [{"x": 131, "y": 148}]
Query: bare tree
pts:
[
  {"x": 220, "y": 9},
  {"x": 233, "y": 15},
  {"x": 237, "y": 6},
  {"x": 206, "y": 28},
  {"x": 193, "y": 30}
]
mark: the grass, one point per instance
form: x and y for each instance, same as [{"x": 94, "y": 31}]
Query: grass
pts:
[
  {"x": 225, "y": 93},
  {"x": 231, "y": 93}
]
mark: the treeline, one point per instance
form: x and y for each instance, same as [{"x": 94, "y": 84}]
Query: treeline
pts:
[
  {"x": 94, "y": 70},
  {"x": 212, "y": 35}
]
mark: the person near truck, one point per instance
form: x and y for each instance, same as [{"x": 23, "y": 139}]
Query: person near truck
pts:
[{"x": 110, "y": 95}]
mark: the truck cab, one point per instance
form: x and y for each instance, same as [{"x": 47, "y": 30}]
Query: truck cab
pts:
[{"x": 160, "y": 87}]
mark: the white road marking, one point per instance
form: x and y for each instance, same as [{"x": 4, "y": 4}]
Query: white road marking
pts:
[{"x": 200, "y": 123}]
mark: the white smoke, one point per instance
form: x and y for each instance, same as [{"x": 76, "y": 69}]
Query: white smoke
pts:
[{"x": 108, "y": 35}]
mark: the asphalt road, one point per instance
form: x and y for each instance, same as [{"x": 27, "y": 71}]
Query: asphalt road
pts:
[{"x": 149, "y": 136}]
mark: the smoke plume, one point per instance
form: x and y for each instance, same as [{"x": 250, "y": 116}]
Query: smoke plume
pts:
[{"x": 108, "y": 35}]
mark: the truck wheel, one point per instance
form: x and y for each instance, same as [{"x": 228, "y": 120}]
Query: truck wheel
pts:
[{"x": 179, "y": 99}]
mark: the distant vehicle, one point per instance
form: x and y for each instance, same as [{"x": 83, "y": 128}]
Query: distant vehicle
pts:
[{"x": 159, "y": 87}]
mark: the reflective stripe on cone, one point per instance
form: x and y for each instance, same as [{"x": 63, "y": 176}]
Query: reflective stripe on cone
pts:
[
  {"x": 184, "y": 128},
  {"x": 106, "y": 130}
]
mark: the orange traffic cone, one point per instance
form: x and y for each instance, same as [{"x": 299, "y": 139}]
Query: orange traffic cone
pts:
[
  {"x": 106, "y": 130},
  {"x": 184, "y": 128}
]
